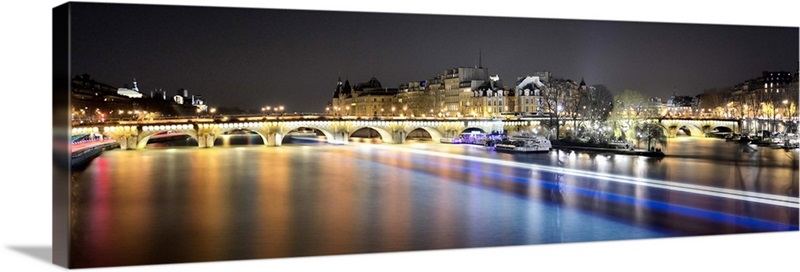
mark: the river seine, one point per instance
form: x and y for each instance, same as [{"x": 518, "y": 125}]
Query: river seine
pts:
[{"x": 172, "y": 203}]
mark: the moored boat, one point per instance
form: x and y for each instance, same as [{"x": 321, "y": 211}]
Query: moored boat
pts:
[
  {"x": 777, "y": 142},
  {"x": 791, "y": 141},
  {"x": 524, "y": 144}
]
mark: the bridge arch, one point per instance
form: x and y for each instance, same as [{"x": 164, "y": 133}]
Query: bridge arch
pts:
[
  {"x": 471, "y": 129},
  {"x": 722, "y": 129},
  {"x": 688, "y": 127},
  {"x": 385, "y": 135},
  {"x": 435, "y": 134},
  {"x": 688, "y": 130},
  {"x": 328, "y": 135},
  {"x": 231, "y": 131},
  {"x": 228, "y": 129},
  {"x": 147, "y": 132},
  {"x": 142, "y": 143}
]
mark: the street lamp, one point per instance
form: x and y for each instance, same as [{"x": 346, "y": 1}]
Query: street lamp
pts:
[{"x": 638, "y": 137}]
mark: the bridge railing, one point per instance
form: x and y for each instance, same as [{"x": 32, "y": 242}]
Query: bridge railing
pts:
[
  {"x": 291, "y": 117},
  {"x": 322, "y": 117}
]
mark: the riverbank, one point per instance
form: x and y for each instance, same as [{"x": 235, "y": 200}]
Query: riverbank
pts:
[
  {"x": 563, "y": 145},
  {"x": 82, "y": 154},
  {"x": 635, "y": 152}
]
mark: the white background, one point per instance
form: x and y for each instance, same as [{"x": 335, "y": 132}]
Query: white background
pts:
[{"x": 25, "y": 133}]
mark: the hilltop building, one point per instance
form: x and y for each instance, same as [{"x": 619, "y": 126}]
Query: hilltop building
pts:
[{"x": 130, "y": 93}]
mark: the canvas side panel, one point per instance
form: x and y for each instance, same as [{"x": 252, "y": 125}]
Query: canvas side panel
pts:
[{"x": 61, "y": 137}]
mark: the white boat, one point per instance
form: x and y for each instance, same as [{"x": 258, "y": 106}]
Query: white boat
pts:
[
  {"x": 529, "y": 144},
  {"x": 776, "y": 142},
  {"x": 791, "y": 141},
  {"x": 784, "y": 141}
]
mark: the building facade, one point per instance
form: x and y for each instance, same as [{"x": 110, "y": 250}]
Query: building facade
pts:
[
  {"x": 490, "y": 99},
  {"x": 682, "y": 105},
  {"x": 767, "y": 96},
  {"x": 528, "y": 95},
  {"x": 366, "y": 99},
  {"x": 457, "y": 92},
  {"x": 416, "y": 99},
  {"x": 459, "y": 84}
]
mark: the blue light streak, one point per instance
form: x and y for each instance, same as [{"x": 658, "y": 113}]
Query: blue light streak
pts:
[
  {"x": 751, "y": 223},
  {"x": 778, "y": 200}
]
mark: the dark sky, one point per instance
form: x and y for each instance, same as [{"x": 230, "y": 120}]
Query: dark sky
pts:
[{"x": 255, "y": 57}]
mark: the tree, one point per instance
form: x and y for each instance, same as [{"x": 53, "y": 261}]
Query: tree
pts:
[
  {"x": 554, "y": 94},
  {"x": 791, "y": 109},
  {"x": 630, "y": 107},
  {"x": 654, "y": 132},
  {"x": 598, "y": 103},
  {"x": 715, "y": 100},
  {"x": 574, "y": 103}
]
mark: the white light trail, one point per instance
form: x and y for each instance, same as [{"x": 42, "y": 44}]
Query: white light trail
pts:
[{"x": 778, "y": 200}]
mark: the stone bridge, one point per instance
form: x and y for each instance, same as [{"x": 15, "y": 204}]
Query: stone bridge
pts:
[
  {"x": 698, "y": 127},
  {"x": 272, "y": 130},
  {"x": 135, "y": 134}
]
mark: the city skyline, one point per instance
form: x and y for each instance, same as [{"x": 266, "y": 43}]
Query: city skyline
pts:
[
  {"x": 152, "y": 181},
  {"x": 236, "y": 57}
]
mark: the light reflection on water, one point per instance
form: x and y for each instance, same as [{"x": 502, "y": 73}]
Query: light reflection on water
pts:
[{"x": 175, "y": 203}]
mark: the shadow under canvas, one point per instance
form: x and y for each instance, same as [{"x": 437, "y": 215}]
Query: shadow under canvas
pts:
[{"x": 42, "y": 253}]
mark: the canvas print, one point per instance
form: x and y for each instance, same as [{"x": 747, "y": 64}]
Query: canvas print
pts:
[{"x": 194, "y": 134}]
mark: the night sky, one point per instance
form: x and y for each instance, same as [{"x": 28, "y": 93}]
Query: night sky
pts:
[{"x": 251, "y": 58}]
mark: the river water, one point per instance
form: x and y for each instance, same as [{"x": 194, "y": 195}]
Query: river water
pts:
[{"x": 176, "y": 203}]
